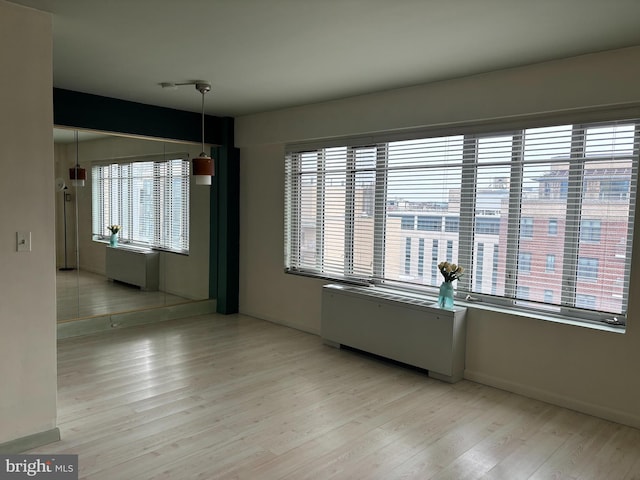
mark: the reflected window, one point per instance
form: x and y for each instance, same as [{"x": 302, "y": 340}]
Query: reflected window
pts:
[{"x": 149, "y": 200}]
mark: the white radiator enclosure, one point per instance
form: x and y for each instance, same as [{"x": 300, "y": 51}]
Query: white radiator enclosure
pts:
[
  {"x": 402, "y": 328},
  {"x": 133, "y": 266}
]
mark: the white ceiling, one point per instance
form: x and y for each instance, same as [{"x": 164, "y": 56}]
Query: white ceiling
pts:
[{"x": 262, "y": 55}]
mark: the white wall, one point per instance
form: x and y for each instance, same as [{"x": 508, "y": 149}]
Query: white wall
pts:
[
  {"x": 27, "y": 283},
  {"x": 183, "y": 275},
  {"x": 592, "y": 371}
]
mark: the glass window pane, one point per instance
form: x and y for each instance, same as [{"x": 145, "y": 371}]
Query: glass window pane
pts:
[
  {"x": 363, "y": 211},
  {"x": 543, "y": 212},
  {"x": 423, "y": 187}
]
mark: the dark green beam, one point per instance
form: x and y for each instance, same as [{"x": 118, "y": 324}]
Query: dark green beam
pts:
[
  {"x": 94, "y": 112},
  {"x": 225, "y": 230}
]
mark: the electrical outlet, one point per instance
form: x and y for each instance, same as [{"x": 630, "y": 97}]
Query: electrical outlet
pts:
[{"x": 23, "y": 241}]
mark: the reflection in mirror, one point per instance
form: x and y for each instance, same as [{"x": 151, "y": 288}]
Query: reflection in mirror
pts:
[{"x": 142, "y": 185}]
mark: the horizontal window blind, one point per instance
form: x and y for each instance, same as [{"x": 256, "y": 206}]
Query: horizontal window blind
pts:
[
  {"x": 540, "y": 218},
  {"x": 148, "y": 199}
]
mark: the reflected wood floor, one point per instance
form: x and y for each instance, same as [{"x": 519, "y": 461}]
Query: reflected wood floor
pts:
[
  {"x": 226, "y": 397},
  {"x": 83, "y": 294}
]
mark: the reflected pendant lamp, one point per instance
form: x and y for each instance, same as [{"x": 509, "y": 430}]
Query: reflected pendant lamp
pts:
[
  {"x": 203, "y": 168},
  {"x": 77, "y": 174}
]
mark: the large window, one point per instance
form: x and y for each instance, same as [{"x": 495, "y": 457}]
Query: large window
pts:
[
  {"x": 535, "y": 210},
  {"x": 148, "y": 199}
]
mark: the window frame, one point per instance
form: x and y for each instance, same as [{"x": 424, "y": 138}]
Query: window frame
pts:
[{"x": 467, "y": 218}]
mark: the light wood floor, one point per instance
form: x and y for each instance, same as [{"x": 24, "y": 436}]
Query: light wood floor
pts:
[
  {"x": 218, "y": 397},
  {"x": 81, "y": 294}
]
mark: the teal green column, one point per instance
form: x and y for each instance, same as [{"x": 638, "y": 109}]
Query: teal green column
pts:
[{"x": 224, "y": 257}]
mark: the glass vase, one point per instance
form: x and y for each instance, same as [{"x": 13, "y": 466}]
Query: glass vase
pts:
[
  {"x": 445, "y": 299},
  {"x": 113, "y": 240}
]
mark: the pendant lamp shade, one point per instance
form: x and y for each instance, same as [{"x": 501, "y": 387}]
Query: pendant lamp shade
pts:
[
  {"x": 77, "y": 174},
  {"x": 203, "y": 169}
]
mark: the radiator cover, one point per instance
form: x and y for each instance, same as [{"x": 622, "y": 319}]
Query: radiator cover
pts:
[
  {"x": 135, "y": 267},
  {"x": 405, "y": 329}
]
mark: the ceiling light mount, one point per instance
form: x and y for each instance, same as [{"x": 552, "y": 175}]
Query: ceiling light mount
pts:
[{"x": 203, "y": 87}]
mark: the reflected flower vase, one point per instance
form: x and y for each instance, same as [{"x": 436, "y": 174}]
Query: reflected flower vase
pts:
[
  {"x": 113, "y": 240},
  {"x": 445, "y": 299}
]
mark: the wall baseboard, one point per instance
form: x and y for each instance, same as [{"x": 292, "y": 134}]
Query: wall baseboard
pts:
[
  {"x": 618, "y": 416},
  {"x": 29, "y": 442}
]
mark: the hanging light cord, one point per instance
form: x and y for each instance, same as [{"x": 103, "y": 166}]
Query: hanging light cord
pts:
[
  {"x": 203, "y": 87},
  {"x": 202, "y": 91}
]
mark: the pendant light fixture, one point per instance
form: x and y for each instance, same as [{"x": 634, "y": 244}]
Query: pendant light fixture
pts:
[
  {"x": 203, "y": 168},
  {"x": 77, "y": 174}
]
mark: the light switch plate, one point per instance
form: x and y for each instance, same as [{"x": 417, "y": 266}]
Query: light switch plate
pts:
[{"x": 23, "y": 241}]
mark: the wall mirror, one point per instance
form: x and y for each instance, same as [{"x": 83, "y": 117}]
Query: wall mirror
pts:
[{"x": 95, "y": 279}]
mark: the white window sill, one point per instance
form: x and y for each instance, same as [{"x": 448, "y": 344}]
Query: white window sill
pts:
[
  {"x": 594, "y": 325},
  {"x": 471, "y": 305}
]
